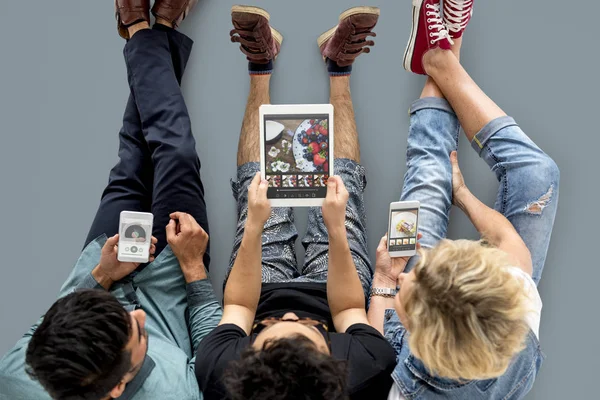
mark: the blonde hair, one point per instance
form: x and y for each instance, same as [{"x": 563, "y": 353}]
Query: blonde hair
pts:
[{"x": 466, "y": 311}]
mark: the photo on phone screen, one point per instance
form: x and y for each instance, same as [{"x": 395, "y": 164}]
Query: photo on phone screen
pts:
[
  {"x": 297, "y": 155},
  {"x": 403, "y": 230}
]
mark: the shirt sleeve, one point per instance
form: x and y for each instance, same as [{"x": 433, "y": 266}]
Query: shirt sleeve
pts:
[
  {"x": 222, "y": 345},
  {"x": 88, "y": 282},
  {"x": 204, "y": 311},
  {"x": 15, "y": 384},
  {"x": 371, "y": 360},
  {"x": 534, "y": 301}
]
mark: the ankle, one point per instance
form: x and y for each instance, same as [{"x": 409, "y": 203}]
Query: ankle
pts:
[
  {"x": 162, "y": 21},
  {"x": 435, "y": 60},
  {"x": 138, "y": 26},
  {"x": 431, "y": 89},
  {"x": 260, "y": 83},
  {"x": 456, "y": 47},
  {"x": 339, "y": 86}
]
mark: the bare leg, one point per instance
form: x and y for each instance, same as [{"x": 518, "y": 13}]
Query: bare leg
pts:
[
  {"x": 473, "y": 107},
  {"x": 346, "y": 146},
  {"x": 431, "y": 88},
  {"x": 346, "y": 135},
  {"x": 279, "y": 236},
  {"x": 249, "y": 144}
]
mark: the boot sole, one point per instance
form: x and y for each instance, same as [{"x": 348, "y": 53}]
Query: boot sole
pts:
[
  {"x": 277, "y": 36},
  {"x": 326, "y": 36},
  {"x": 410, "y": 48},
  {"x": 360, "y": 10},
  {"x": 251, "y": 10}
]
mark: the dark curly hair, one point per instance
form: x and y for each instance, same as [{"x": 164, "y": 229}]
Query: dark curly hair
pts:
[
  {"x": 78, "y": 351},
  {"x": 290, "y": 368}
]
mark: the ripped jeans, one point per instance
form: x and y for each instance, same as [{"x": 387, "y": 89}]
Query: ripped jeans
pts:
[{"x": 529, "y": 178}]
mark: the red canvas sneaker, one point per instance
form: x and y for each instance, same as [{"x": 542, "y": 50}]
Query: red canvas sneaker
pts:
[
  {"x": 457, "y": 14},
  {"x": 428, "y": 33}
]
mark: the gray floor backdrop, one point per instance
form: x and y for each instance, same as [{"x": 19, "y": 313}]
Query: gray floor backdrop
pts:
[{"x": 63, "y": 91}]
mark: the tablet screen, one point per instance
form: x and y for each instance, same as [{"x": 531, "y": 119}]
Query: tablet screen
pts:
[{"x": 297, "y": 156}]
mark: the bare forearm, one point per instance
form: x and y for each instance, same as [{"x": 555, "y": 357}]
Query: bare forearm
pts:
[
  {"x": 344, "y": 290},
  {"x": 378, "y": 304},
  {"x": 495, "y": 228},
  {"x": 489, "y": 223},
  {"x": 244, "y": 283}
]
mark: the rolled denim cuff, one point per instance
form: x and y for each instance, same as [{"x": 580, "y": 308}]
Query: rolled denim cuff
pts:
[
  {"x": 436, "y": 103},
  {"x": 490, "y": 130},
  {"x": 200, "y": 293}
]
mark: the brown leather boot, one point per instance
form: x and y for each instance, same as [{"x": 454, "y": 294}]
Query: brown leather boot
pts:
[
  {"x": 259, "y": 42},
  {"x": 174, "y": 11},
  {"x": 128, "y": 12},
  {"x": 346, "y": 41}
]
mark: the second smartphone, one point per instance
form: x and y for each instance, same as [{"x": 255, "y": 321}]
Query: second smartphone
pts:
[{"x": 403, "y": 228}]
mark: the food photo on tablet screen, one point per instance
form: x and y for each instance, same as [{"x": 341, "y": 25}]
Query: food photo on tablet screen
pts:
[{"x": 297, "y": 155}]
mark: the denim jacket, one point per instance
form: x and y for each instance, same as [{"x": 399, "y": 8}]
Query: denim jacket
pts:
[{"x": 414, "y": 382}]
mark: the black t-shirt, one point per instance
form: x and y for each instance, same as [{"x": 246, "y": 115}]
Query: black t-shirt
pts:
[{"x": 370, "y": 357}]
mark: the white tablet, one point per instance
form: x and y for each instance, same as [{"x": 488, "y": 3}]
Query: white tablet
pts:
[{"x": 296, "y": 153}]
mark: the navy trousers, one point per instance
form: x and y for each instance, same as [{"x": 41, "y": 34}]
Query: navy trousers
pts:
[{"x": 158, "y": 169}]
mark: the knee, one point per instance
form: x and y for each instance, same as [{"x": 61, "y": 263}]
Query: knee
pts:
[
  {"x": 547, "y": 171},
  {"x": 185, "y": 155},
  {"x": 546, "y": 176}
]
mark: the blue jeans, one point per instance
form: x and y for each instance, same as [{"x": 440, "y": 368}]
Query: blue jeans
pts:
[
  {"x": 528, "y": 197},
  {"x": 529, "y": 178}
]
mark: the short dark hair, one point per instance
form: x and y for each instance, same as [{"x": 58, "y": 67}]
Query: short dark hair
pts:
[
  {"x": 289, "y": 368},
  {"x": 78, "y": 351}
]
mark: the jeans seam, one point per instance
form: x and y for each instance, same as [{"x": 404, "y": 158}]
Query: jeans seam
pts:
[
  {"x": 503, "y": 182},
  {"x": 521, "y": 382}
]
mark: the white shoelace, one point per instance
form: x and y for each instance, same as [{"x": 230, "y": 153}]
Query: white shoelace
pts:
[
  {"x": 436, "y": 23},
  {"x": 457, "y": 13}
]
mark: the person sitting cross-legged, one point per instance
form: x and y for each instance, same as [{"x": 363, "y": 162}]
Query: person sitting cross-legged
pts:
[
  {"x": 287, "y": 334},
  {"x": 121, "y": 330},
  {"x": 465, "y": 323}
]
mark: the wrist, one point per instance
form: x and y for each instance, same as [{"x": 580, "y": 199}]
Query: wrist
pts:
[
  {"x": 384, "y": 280},
  {"x": 461, "y": 198},
  {"x": 253, "y": 228},
  {"x": 198, "y": 274},
  {"x": 337, "y": 232},
  {"x": 102, "y": 278},
  {"x": 193, "y": 271}
]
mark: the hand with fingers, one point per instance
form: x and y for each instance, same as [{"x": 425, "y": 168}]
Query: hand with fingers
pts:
[
  {"x": 334, "y": 206},
  {"x": 459, "y": 188},
  {"x": 110, "y": 269},
  {"x": 387, "y": 267},
  {"x": 189, "y": 242},
  {"x": 259, "y": 207}
]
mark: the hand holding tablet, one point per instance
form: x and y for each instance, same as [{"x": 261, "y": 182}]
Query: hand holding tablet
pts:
[{"x": 296, "y": 145}]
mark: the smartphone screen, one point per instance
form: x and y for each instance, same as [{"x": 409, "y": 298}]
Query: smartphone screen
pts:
[
  {"x": 403, "y": 230},
  {"x": 297, "y": 156},
  {"x": 135, "y": 236}
]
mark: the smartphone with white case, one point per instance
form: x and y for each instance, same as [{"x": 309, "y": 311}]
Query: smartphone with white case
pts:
[
  {"x": 135, "y": 236},
  {"x": 403, "y": 228}
]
